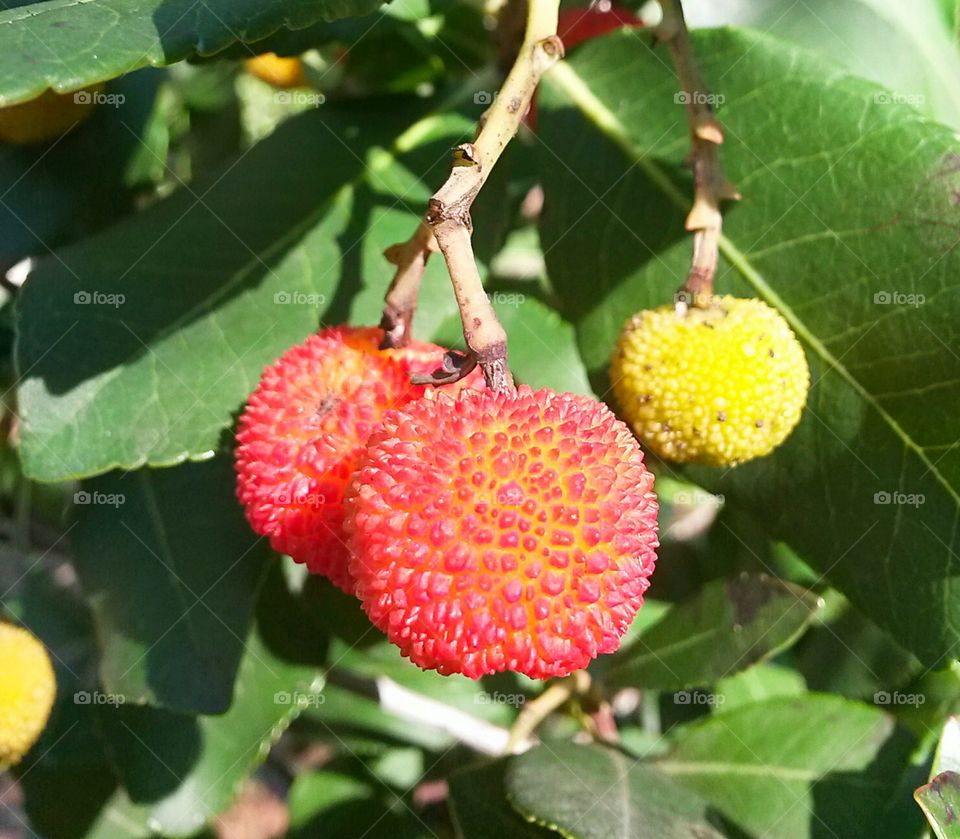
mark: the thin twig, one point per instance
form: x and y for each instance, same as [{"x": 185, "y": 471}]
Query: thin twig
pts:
[
  {"x": 537, "y": 710},
  {"x": 710, "y": 185},
  {"x": 604, "y": 724},
  {"x": 447, "y": 224},
  {"x": 410, "y": 257}
]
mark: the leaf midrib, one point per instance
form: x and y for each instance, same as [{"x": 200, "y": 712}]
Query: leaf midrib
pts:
[
  {"x": 27, "y": 14},
  {"x": 579, "y": 93}
]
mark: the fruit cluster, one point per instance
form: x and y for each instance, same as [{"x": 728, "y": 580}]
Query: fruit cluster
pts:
[
  {"x": 486, "y": 531},
  {"x": 304, "y": 429},
  {"x": 481, "y": 531}
]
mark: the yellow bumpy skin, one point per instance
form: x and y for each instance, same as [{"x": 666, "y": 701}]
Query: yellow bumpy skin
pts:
[
  {"x": 27, "y": 690},
  {"x": 716, "y": 386},
  {"x": 48, "y": 116}
]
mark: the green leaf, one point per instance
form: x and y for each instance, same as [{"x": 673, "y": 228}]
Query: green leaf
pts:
[
  {"x": 758, "y": 684},
  {"x": 184, "y": 770},
  {"x": 940, "y": 802},
  {"x": 346, "y": 716},
  {"x": 792, "y": 768},
  {"x": 947, "y": 757},
  {"x": 479, "y": 806},
  {"x": 71, "y": 790},
  {"x": 81, "y": 803},
  {"x": 543, "y": 350},
  {"x": 383, "y": 660},
  {"x": 331, "y": 800},
  {"x": 50, "y": 196},
  {"x": 332, "y": 803},
  {"x": 65, "y": 44},
  {"x": 926, "y": 701},
  {"x": 851, "y": 276},
  {"x": 594, "y": 792},
  {"x": 180, "y": 307},
  {"x": 852, "y": 656},
  {"x": 904, "y": 46},
  {"x": 172, "y": 571},
  {"x": 728, "y": 626}
]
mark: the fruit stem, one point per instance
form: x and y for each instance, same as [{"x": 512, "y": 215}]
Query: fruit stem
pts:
[
  {"x": 447, "y": 225},
  {"x": 400, "y": 303},
  {"x": 710, "y": 184},
  {"x": 537, "y": 710}
]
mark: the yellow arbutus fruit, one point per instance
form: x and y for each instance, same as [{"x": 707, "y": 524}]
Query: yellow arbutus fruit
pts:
[
  {"x": 717, "y": 385},
  {"x": 48, "y": 116},
  {"x": 27, "y": 690},
  {"x": 277, "y": 70}
]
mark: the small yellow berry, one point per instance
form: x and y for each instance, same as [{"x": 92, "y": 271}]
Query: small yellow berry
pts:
[
  {"x": 27, "y": 690},
  {"x": 717, "y": 386},
  {"x": 48, "y": 116},
  {"x": 276, "y": 70}
]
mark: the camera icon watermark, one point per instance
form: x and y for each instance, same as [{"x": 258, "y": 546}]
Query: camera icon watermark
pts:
[
  {"x": 485, "y": 97},
  {"x": 896, "y": 498},
  {"x": 98, "y": 97},
  {"x": 289, "y": 498},
  {"x": 507, "y": 298},
  {"x": 889, "y": 97},
  {"x": 898, "y": 298},
  {"x": 511, "y": 495},
  {"x": 301, "y": 98},
  {"x": 698, "y": 498},
  {"x": 301, "y": 699},
  {"x": 684, "y": 300},
  {"x": 299, "y": 298},
  {"x": 699, "y": 97},
  {"x": 107, "y": 499},
  {"x": 698, "y": 697},
  {"x": 98, "y": 298},
  {"x": 86, "y": 697},
  {"x": 514, "y": 700},
  {"x": 897, "y": 698}
]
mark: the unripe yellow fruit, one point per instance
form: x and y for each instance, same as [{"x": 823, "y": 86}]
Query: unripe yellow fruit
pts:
[
  {"x": 717, "y": 385},
  {"x": 27, "y": 690},
  {"x": 276, "y": 70},
  {"x": 48, "y": 116}
]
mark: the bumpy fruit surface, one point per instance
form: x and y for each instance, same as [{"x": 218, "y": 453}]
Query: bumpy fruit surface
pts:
[
  {"x": 303, "y": 428},
  {"x": 27, "y": 690},
  {"x": 502, "y": 531},
  {"x": 717, "y": 386},
  {"x": 46, "y": 117},
  {"x": 277, "y": 70}
]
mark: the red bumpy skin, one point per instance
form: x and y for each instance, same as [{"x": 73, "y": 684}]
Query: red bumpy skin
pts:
[
  {"x": 305, "y": 425},
  {"x": 502, "y": 531}
]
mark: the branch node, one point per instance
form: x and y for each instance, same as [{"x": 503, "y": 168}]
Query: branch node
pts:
[
  {"x": 465, "y": 155},
  {"x": 552, "y": 47},
  {"x": 447, "y": 221},
  {"x": 710, "y": 185},
  {"x": 456, "y": 366},
  {"x": 710, "y": 131}
]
